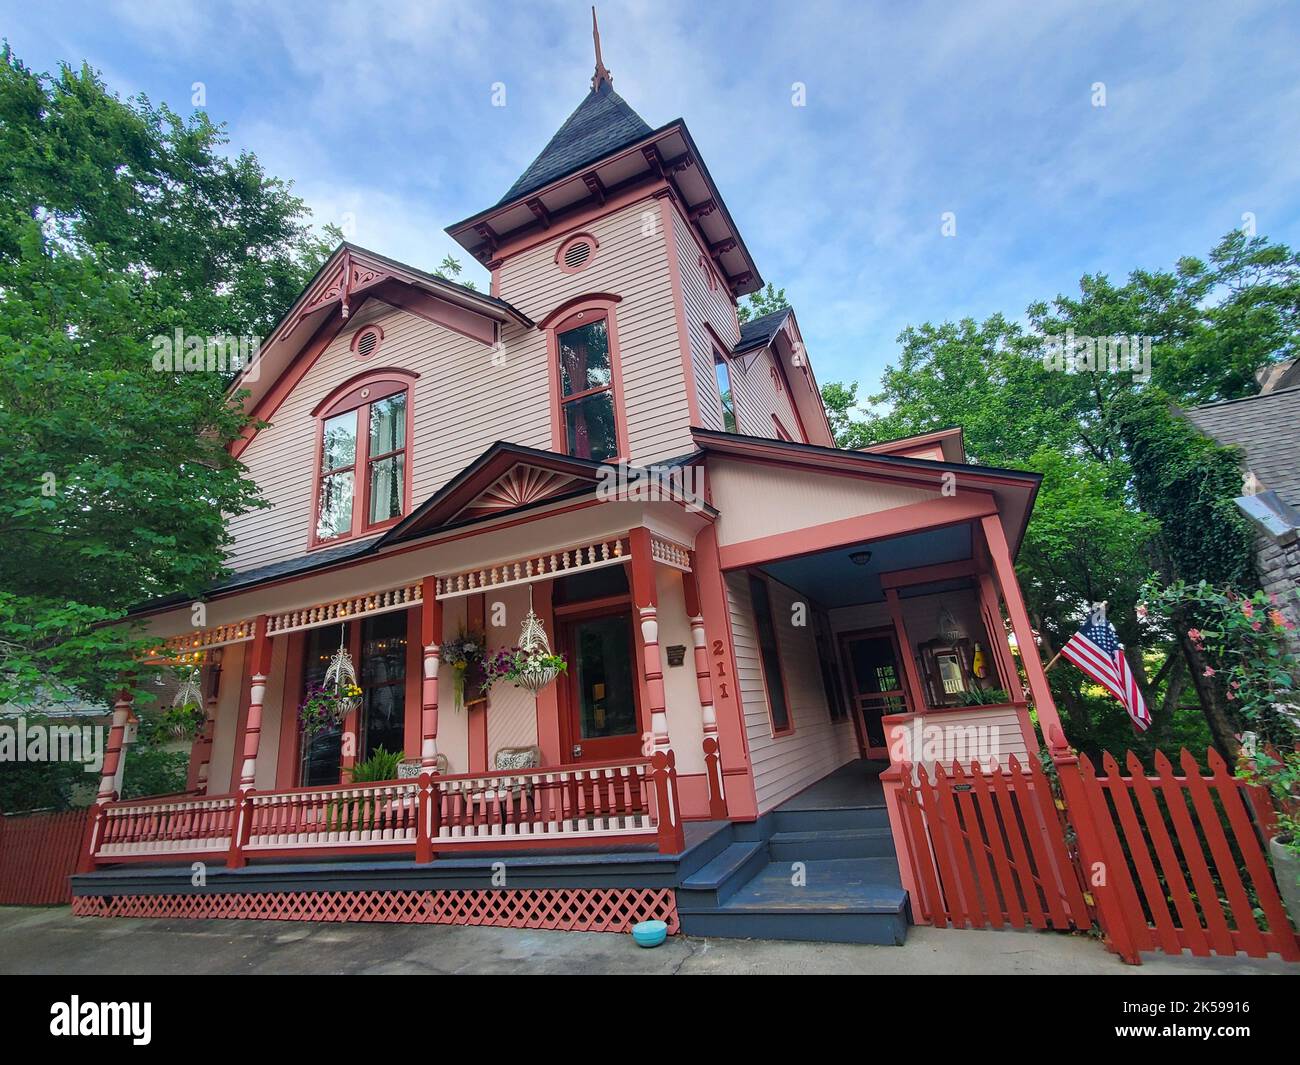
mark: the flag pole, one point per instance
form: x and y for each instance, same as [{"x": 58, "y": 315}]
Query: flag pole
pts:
[{"x": 1052, "y": 662}]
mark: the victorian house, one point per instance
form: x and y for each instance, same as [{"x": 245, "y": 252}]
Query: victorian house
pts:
[{"x": 754, "y": 622}]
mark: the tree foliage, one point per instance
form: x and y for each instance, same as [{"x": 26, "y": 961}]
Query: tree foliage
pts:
[
  {"x": 120, "y": 221},
  {"x": 1129, "y": 487}
]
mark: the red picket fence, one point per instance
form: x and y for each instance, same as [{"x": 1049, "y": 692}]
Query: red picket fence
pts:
[
  {"x": 988, "y": 849},
  {"x": 38, "y": 852},
  {"x": 1178, "y": 861},
  {"x": 1164, "y": 862}
]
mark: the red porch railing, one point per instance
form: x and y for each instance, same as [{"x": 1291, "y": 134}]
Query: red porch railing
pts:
[{"x": 573, "y": 806}]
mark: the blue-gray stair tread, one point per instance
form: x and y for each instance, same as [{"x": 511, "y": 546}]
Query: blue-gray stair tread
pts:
[
  {"x": 720, "y": 869},
  {"x": 840, "y": 885}
]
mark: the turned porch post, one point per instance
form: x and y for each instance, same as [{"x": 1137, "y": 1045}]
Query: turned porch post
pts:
[
  {"x": 704, "y": 684},
  {"x": 663, "y": 760},
  {"x": 645, "y": 596},
  {"x": 1049, "y": 720},
  {"x": 116, "y": 743},
  {"x": 430, "y": 635},
  {"x": 202, "y": 752},
  {"x": 261, "y": 668}
]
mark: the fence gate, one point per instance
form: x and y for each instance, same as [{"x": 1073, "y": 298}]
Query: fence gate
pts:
[
  {"x": 38, "y": 852},
  {"x": 1178, "y": 862},
  {"x": 989, "y": 849}
]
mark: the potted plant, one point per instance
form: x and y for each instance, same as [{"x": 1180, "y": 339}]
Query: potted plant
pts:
[
  {"x": 323, "y": 708},
  {"x": 1279, "y": 772},
  {"x": 529, "y": 668},
  {"x": 464, "y": 654}
]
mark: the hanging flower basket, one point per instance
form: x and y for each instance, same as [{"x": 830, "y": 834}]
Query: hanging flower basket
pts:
[
  {"x": 325, "y": 708},
  {"x": 531, "y": 666},
  {"x": 464, "y": 654}
]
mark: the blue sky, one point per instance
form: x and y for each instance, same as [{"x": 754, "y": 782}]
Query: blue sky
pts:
[{"x": 381, "y": 114}]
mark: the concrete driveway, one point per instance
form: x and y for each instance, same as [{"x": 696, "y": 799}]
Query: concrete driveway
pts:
[{"x": 52, "y": 941}]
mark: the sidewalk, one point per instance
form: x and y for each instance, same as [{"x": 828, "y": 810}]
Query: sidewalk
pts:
[{"x": 52, "y": 941}]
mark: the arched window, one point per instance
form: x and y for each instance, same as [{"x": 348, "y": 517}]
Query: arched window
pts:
[
  {"x": 362, "y": 468},
  {"x": 587, "y": 397}
]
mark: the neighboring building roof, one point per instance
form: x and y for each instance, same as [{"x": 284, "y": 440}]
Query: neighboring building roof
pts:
[
  {"x": 1267, "y": 428},
  {"x": 758, "y": 332},
  {"x": 602, "y": 123}
]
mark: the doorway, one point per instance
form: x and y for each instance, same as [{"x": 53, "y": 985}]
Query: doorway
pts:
[
  {"x": 875, "y": 682},
  {"x": 600, "y": 698}
]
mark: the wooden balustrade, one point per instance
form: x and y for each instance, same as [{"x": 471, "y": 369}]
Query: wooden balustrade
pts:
[
  {"x": 506, "y": 809},
  {"x": 165, "y": 826}
]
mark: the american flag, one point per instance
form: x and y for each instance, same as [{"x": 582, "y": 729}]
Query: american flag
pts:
[{"x": 1096, "y": 650}]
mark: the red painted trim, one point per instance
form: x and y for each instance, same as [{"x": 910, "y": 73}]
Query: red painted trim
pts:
[
  {"x": 386, "y": 383},
  {"x": 939, "y": 436},
  {"x": 412, "y": 708},
  {"x": 572, "y": 306},
  {"x": 440, "y": 312},
  {"x": 241, "y": 721},
  {"x": 788, "y": 730},
  {"x": 843, "y": 640},
  {"x": 616, "y": 748},
  {"x": 916, "y": 689},
  {"x": 570, "y": 240},
  {"x": 899, "y": 578},
  {"x": 781, "y": 430},
  {"x": 288, "y": 751},
  {"x": 679, "y": 311},
  {"x": 592, "y": 308},
  {"x": 549, "y": 727},
  {"x": 476, "y": 716},
  {"x": 862, "y": 528}
]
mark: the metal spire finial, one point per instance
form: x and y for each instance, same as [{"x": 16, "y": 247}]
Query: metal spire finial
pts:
[{"x": 602, "y": 74}]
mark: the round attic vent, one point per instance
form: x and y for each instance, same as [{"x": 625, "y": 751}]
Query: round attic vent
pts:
[
  {"x": 576, "y": 253},
  {"x": 367, "y": 341}
]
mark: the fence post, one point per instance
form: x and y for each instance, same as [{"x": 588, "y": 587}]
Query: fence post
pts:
[
  {"x": 1097, "y": 846},
  {"x": 90, "y": 838}
]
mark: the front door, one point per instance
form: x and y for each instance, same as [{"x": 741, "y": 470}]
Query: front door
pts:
[
  {"x": 600, "y": 687},
  {"x": 876, "y": 684}
]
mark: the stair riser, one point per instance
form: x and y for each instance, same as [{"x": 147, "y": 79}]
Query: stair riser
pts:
[
  {"x": 828, "y": 820},
  {"x": 818, "y": 849},
  {"x": 738, "y": 879},
  {"x": 888, "y": 930}
]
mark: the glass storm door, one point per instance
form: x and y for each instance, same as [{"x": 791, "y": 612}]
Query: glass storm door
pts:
[
  {"x": 876, "y": 682},
  {"x": 602, "y": 689}
]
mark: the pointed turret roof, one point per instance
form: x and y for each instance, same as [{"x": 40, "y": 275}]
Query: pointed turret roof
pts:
[{"x": 602, "y": 123}]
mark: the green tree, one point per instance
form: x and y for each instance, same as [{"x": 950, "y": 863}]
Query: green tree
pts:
[
  {"x": 764, "y": 301},
  {"x": 119, "y": 221}
]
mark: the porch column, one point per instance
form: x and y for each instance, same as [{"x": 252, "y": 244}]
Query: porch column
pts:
[
  {"x": 261, "y": 667},
  {"x": 645, "y": 596},
  {"x": 430, "y": 634},
  {"x": 912, "y": 677},
  {"x": 997, "y": 635},
  {"x": 1049, "y": 721},
  {"x": 202, "y": 752},
  {"x": 704, "y": 684},
  {"x": 116, "y": 742}
]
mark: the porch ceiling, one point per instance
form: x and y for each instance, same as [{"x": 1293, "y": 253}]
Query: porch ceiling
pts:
[{"x": 832, "y": 579}]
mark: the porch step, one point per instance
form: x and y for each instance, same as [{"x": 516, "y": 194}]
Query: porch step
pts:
[
  {"x": 852, "y": 817},
  {"x": 833, "y": 843},
  {"x": 717, "y": 881},
  {"x": 842, "y": 900}
]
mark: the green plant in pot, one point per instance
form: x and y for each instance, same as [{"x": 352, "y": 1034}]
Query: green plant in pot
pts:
[
  {"x": 985, "y": 697},
  {"x": 1279, "y": 772}
]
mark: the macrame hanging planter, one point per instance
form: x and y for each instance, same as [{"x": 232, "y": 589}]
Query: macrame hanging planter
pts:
[
  {"x": 343, "y": 676},
  {"x": 187, "y": 706},
  {"x": 534, "y": 644}
]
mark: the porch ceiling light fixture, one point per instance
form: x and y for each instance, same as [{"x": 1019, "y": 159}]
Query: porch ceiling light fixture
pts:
[{"x": 860, "y": 558}]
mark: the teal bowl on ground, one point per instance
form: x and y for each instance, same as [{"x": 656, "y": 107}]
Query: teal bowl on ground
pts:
[{"x": 649, "y": 933}]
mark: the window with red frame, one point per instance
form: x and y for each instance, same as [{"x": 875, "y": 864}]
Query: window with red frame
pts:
[
  {"x": 363, "y": 467},
  {"x": 587, "y": 410}
]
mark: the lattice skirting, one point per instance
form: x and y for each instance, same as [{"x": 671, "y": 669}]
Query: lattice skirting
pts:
[{"x": 561, "y": 909}]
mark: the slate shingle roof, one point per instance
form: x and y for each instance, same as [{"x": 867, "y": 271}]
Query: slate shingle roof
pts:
[
  {"x": 601, "y": 124},
  {"x": 758, "y": 331},
  {"x": 1267, "y": 427}
]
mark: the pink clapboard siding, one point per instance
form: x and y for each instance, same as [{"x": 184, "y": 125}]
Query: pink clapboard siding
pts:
[
  {"x": 463, "y": 402},
  {"x": 705, "y": 308},
  {"x": 785, "y": 765},
  {"x": 631, "y": 262}
]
